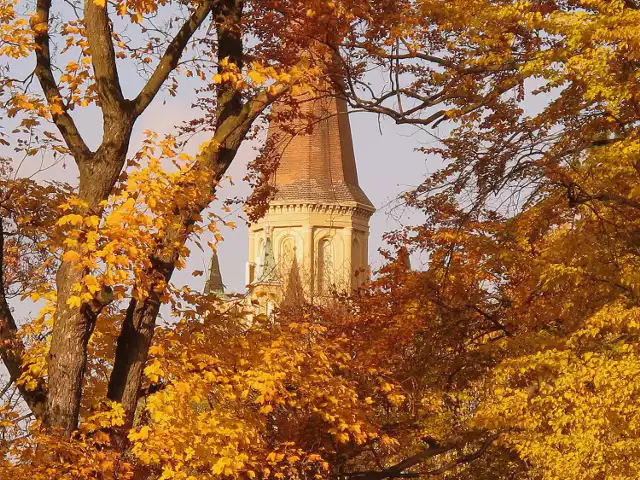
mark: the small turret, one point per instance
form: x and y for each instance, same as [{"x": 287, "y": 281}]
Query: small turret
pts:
[{"x": 214, "y": 280}]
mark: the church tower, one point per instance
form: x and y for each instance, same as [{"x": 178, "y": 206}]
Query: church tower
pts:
[{"x": 316, "y": 229}]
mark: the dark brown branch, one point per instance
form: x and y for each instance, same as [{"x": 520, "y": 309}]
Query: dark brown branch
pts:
[
  {"x": 602, "y": 142},
  {"x": 398, "y": 470},
  {"x": 171, "y": 57},
  {"x": 468, "y": 458},
  {"x": 493, "y": 319},
  {"x": 228, "y": 29},
  {"x": 609, "y": 197},
  {"x": 44, "y": 73},
  {"x": 11, "y": 347}
]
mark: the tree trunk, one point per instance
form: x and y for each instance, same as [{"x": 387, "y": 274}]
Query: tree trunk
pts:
[
  {"x": 98, "y": 174},
  {"x": 67, "y": 357},
  {"x": 133, "y": 347},
  {"x": 232, "y": 122},
  {"x": 73, "y": 325}
]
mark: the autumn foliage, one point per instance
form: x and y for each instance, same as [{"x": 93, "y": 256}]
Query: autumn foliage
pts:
[{"x": 512, "y": 354}]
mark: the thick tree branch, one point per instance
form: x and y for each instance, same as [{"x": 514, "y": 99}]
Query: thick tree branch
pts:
[
  {"x": 576, "y": 198},
  {"x": 493, "y": 319},
  {"x": 233, "y": 121},
  {"x": 171, "y": 57},
  {"x": 11, "y": 347},
  {"x": 228, "y": 29},
  {"x": 468, "y": 458},
  {"x": 60, "y": 114},
  {"x": 399, "y": 470},
  {"x": 103, "y": 56}
]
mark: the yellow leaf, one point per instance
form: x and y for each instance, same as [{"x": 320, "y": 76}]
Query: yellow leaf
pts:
[
  {"x": 71, "y": 256},
  {"x": 74, "y": 301},
  {"x": 92, "y": 221},
  {"x": 72, "y": 219},
  {"x": 141, "y": 434},
  {"x": 257, "y": 77}
]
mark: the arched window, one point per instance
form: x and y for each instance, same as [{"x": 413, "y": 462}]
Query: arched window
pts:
[
  {"x": 287, "y": 255},
  {"x": 325, "y": 267}
]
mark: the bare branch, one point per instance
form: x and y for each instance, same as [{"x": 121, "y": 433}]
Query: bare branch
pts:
[
  {"x": 103, "y": 56},
  {"x": 466, "y": 458},
  {"x": 171, "y": 57},
  {"x": 398, "y": 470},
  {"x": 61, "y": 117}
]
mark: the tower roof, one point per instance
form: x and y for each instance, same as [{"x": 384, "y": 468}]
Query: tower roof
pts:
[{"x": 317, "y": 162}]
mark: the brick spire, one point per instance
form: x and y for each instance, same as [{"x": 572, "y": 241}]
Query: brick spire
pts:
[{"x": 317, "y": 162}]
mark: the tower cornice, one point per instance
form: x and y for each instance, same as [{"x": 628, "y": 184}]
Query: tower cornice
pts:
[{"x": 352, "y": 208}]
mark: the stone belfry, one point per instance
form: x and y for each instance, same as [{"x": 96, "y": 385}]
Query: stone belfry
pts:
[{"x": 317, "y": 224}]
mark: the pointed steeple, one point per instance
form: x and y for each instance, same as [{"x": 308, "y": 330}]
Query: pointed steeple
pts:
[
  {"x": 214, "y": 280},
  {"x": 315, "y": 149}
]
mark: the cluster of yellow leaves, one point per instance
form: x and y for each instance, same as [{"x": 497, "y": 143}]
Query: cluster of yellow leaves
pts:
[
  {"x": 216, "y": 409},
  {"x": 546, "y": 300},
  {"x": 571, "y": 410},
  {"x": 566, "y": 400},
  {"x": 15, "y": 34},
  {"x": 258, "y": 75},
  {"x": 35, "y": 334},
  {"x": 36, "y": 454}
]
